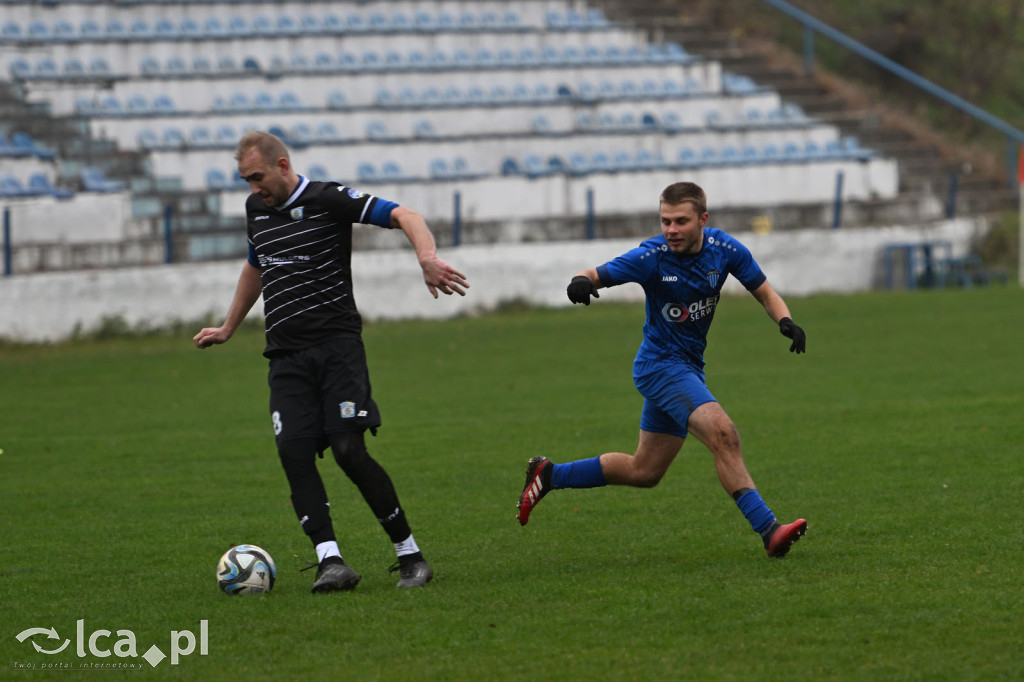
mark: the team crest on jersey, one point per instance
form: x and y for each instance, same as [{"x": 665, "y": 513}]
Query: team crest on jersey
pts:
[
  {"x": 297, "y": 213},
  {"x": 356, "y": 194},
  {"x": 713, "y": 278},
  {"x": 348, "y": 410}
]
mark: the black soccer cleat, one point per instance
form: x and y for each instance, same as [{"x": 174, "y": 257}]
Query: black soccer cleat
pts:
[
  {"x": 334, "y": 575},
  {"x": 415, "y": 574},
  {"x": 538, "y": 483}
]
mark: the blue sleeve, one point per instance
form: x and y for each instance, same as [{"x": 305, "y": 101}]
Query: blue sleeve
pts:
[
  {"x": 380, "y": 212},
  {"x": 636, "y": 265},
  {"x": 253, "y": 261},
  {"x": 745, "y": 268}
]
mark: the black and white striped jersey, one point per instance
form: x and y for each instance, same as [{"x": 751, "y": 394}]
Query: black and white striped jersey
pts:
[{"x": 303, "y": 250}]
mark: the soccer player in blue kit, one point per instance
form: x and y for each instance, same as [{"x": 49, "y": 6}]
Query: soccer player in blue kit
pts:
[{"x": 682, "y": 273}]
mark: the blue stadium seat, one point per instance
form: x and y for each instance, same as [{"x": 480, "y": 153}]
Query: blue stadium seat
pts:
[
  {"x": 623, "y": 162},
  {"x": 367, "y": 172},
  {"x": 238, "y": 27},
  {"x": 445, "y": 22},
  {"x": 109, "y": 105},
  {"x": 439, "y": 169},
  {"x": 322, "y": 61},
  {"x": 687, "y": 158},
  {"x": 251, "y": 65},
  {"x": 647, "y": 160},
  {"x": 216, "y": 180},
  {"x": 39, "y": 184},
  {"x": 535, "y": 167},
  {"x": 94, "y": 180},
  {"x": 285, "y": 25},
  {"x": 301, "y": 135},
  {"x": 400, "y": 23},
  {"x": 332, "y": 24},
  {"x": 64, "y": 32},
  {"x": 261, "y": 26},
  {"x": 46, "y": 68},
  {"x": 200, "y": 137},
  {"x": 137, "y": 105},
  {"x": 600, "y": 162},
  {"x": 73, "y": 68},
  {"x": 11, "y": 32},
  {"x": 327, "y": 133},
  {"x": 424, "y": 22},
  {"x": 336, "y": 99},
  {"x": 214, "y": 28},
  {"x": 150, "y": 66},
  {"x": 264, "y": 101},
  {"x": 225, "y": 136},
  {"x": 11, "y": 187},
  {"x": 289, "y": 101},
  {"x": 139, "y": 29},
  {"x": 163, "y": 104},
  {"x": 317, "y": 173},
  {"x": 175, "y": 66},
  {"x": 165, "y": 29},
  {"x": 172, "y": 138},
  {"x": 770, "y": 153},
  {"x": 99, "y": 68},
  {"x": 89, "y": 30},
  {"x": 509, "y": 166},
  {"x": 226, "y": 64},
  {"x": 20, "y": 69},
  {"x": 378, "y": 132},
  {"x": 423, "y": 129},
  {"x": 115, "y": 30},
  {"x": 201, "y": 65},
  {"x": 38, "y": 32},
  {"x": 356, "y": 23}
]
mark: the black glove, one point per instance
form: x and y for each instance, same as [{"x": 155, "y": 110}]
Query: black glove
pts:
[
  {"x": 580, "y": 290},
  {"x": 790, "y": 329}
]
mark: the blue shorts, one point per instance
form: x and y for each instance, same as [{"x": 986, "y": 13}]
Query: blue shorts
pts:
[{"x": 671, "y": 391}]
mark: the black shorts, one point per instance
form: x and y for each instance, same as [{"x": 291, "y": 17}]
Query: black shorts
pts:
[{"x": 321, "y": 390}]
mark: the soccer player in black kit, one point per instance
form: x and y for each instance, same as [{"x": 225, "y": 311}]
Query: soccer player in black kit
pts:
[{"x": 300, "y": 252}]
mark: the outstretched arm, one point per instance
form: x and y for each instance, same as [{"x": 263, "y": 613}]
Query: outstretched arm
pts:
[
  {"x": 584, "y": 285},
  {"x": 779, "y": 312},
  {"x": 438, "y": 275},
  {"x": 246, "y": 294}
]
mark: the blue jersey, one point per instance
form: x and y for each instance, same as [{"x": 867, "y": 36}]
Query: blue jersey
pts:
[{"x": 682, "y": 291}]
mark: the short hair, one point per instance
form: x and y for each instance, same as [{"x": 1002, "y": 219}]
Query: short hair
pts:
[
  {"x": 682, "y": 192},
  {"x": 270, "y": 146}
]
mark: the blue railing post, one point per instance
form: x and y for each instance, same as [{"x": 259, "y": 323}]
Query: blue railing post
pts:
[
  {"x": 837, "y": 205},
  {"x": 168, "y": 235},
  {"x": 954, "y": 184},
  {"x": 591, "y": 227},
  {"x": 7, "y": 242},
  {"x": 457, "y": 218},
  {"x": 808, "y": 51}
]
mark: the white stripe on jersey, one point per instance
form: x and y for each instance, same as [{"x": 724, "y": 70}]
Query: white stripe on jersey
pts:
[{"x": 304, "y": 310}]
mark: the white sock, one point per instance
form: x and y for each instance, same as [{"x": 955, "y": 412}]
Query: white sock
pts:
[
  {"x": 326, "y": 549},
  {"x": 406, "y": 546}
]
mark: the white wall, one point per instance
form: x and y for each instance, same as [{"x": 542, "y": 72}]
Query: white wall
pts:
[{"x": 388, "y": 284}]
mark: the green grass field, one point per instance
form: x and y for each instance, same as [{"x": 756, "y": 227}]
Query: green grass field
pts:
[{"x": 130, "y": 465}]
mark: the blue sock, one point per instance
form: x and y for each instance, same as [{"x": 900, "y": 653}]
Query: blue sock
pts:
[
  {"x": 757, "y": 512},
  {"x": 583, "y": 473}
]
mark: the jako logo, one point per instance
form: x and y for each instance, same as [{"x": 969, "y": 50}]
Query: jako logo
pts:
[
  {"x": 125, "y": 647},
  {"x": 669, "y": 278}
]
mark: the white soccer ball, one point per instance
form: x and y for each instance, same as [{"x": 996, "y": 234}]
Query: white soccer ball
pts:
[{"x": 246, "y": 569}]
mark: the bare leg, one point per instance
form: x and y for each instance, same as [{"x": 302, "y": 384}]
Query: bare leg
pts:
[
  {"x": 654, "y": 454},
  {"x": 712, "y": 426}
]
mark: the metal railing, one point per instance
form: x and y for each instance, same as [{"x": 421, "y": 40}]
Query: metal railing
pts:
[{"x": 1014, "y": 136}]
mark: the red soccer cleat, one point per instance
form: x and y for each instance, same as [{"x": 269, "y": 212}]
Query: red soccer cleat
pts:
[
  {"x": 783, "y": 538},
  {"x": 538, "y": 483}
]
